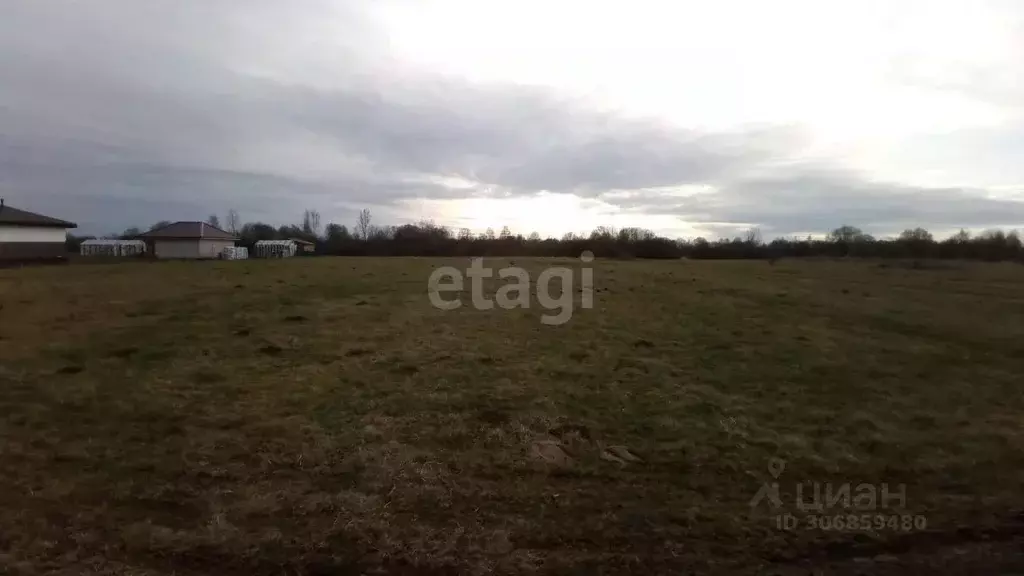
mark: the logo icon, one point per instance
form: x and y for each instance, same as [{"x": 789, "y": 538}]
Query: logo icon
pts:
[{"x": 770, "y": 490}]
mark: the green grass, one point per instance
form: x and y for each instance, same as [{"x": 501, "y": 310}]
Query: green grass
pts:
[{"x": 315, "y": 416}]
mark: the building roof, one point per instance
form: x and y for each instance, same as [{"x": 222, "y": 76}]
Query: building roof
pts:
[
  {"x": 14, "y": 217},
  {"x": 188, "y": 231},
  {"x": 275, "y": 242},
  {"x": 301, "y": 242}
]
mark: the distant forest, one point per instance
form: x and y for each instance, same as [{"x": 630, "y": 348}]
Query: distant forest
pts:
[{"x": 428, "y": 239}]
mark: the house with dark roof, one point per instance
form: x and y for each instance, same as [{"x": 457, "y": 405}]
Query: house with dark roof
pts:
[
  {"x": 188, "y": 240},
  {"x": 304, "y": 246},
  {"x": 29, "y": 236}
]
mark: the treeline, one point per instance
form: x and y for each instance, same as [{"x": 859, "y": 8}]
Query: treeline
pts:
[
  {"x": 428, "y": 239},
  {"x": 993, "y": 246}
]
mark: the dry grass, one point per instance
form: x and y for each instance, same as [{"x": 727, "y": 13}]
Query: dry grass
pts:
[{"x": 318, "y": 416}]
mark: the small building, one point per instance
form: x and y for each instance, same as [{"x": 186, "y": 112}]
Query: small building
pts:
[
  {"x": 274, "y": 249},
  {"x": 304, "y": 246},
  {"x": 27, "y": 236},
  {"x": 115, "y": 248},
  {"x": 188, "y": 241}
]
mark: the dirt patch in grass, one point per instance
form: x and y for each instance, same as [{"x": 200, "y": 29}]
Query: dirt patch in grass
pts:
[
  {"x": 271, "y": 350},
  {"x": 208, "y": 376},
  {"x": 551, "y": 452},
  {"x": 70, "y": 370},
  {"x": 126, "y": 352}
]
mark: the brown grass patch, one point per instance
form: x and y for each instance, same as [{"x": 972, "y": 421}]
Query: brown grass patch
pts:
[{"x": 327, "y": 419}]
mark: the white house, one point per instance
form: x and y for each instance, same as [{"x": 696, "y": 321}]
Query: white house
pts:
[
  {"x": 30, "y": 236},
  {"x": 188, "y": 240}
]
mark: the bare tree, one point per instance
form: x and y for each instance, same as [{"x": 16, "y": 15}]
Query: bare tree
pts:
[
  {"x": 311, "y": 223},
  {"x": 363, "y": 225},
  {"x": 465, "y": 234},
  {"x": 213, "y": 220},
  {"x": 916, "y": 235},
  {"x": 336, "y": 233},
  {"x": 505, "y": 233},
  {"x": 234, "y": 222},
  {"x": 961, "y": 237},
  {"x": 846, "y": 234}
]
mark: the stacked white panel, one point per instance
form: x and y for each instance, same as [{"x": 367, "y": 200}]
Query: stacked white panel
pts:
[
  {"x": 113, "y": 248},
  {"x": 275, "y": 249}
]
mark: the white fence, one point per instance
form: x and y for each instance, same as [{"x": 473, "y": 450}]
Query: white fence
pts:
[
  {"x": 113, "y": 248},
  {"x": 274, "y": 249}
]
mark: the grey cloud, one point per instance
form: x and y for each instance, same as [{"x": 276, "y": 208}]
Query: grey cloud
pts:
[
  {"x": 524, "y": 139},
  {"x": 135, "y": 112},
  {"x": 822, "y": 199},
  {"x": 107, "y": 198},
  {"x": 804, "y": 198},
  {"x": 117, "y": 136}
]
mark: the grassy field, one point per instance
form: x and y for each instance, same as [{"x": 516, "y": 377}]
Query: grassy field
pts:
[{"x": 318, "y": 416}]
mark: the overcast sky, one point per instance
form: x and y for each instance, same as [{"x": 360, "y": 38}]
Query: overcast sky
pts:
[{"x": 689, "y": 118}]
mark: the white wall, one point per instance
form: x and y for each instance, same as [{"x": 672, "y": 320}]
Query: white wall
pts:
[
  {"x": 176, "y": 248},
  {"x": 31, "y": 234},
  {"x": 213, "y": 248}
]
